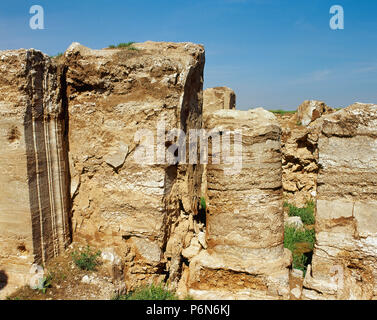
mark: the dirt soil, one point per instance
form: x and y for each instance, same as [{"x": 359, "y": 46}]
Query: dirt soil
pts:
[{"x": 66, "y": 283}]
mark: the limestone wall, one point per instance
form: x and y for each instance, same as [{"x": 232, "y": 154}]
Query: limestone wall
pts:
[
  {"x": 34, "y": 202},
  {"x": 345, "y": 254},
  {"x": 119, "y": 201}
]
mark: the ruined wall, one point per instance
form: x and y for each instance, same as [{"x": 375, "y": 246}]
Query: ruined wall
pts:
[
  {"x": 300, "y": 151},
  {"x": 345, "y": 254},
  {"x": 118, "y": 201},
  {"x": 245, "y": 257},
  {"x": 300, "y": 163},
  {"x": 34, "y": 199}
]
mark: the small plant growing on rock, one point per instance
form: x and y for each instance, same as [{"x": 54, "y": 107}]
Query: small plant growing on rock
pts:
[
  {"x": 301, "y": 244},
  {"x": 282, "y": 112},
  {"x": 86, "y": 260},
  {"x": 46, "y": 283},
  {"x": 203, "y": 204},
  {"x": 60, "y": 54},
  {"x": 151, "y": 292},
  {"x": 124, "y": 45}
]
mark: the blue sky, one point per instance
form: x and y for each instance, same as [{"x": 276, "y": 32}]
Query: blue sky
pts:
[{"x": 273, "y": 53}]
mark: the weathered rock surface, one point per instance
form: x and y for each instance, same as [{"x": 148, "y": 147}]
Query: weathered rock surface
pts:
[
  {"x": 214, "y": 99},
  {"x": 300, "y": 165},
  {"x": 34, "y": 202},
  {"x": 300, "y": 155},
  {"x": 311, "y": 110},
  {"x": 218, "y": 98},
  {"x": 345, "y": 254},
  {"x": 144, "y": 212},
  {"x": 245, "y": 257},
  {"x": 135, "y": 205},
  {"x": 294, "y": 222}
]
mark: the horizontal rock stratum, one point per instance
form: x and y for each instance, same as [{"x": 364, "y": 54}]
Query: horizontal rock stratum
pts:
[
  {"x": 345, "y": 254},
  {"x": 245, "y": 258}
]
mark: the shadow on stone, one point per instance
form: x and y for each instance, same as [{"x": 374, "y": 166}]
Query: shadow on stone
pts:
[{"x": 3, "y": 279}]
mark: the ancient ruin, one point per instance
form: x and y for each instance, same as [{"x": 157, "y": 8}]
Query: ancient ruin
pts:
[{"x": 97, "y": 152}]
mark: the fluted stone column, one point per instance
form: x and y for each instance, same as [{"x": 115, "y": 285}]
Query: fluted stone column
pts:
[
  {"x": 34, "y": 202},
  {"x": 245, "y": 257}
]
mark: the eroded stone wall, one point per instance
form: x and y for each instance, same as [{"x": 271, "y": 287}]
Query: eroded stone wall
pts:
[
  {"x": 118, "y": 201},
  {"x": 34, "y": 199},
  {"x": 345, "y": 254},
  {"x": 300, "y": 151}
]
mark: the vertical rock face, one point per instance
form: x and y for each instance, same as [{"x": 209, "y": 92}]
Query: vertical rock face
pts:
[
  {"x": 345, "y": 253},
  {"x": 218, "y": 98},
  {"x": 119, "y": 101},
  {"x": 34, "y": 202},
  {"x": 244, "y": 224}
]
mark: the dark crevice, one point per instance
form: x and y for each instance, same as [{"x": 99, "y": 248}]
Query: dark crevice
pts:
[
  {"x": 62, "y": 74},
  {"x": 3, "y": 279},
  {"x": 201, "y": 217}
]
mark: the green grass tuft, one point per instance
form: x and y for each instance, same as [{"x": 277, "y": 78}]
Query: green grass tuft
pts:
[
  {"x": 86, "y": 260},
  {"x": 124, "y": 45},
  {"x": 46, "y": 283},
  {"x": 203, "y": 205},
  {"x": 306, "y": 214},
  {"x": 282, "y": 112},
  {"x": 151, "y": 292},
  {"x": 60, "y": 54},
  {"x": 292, "y": 238}
]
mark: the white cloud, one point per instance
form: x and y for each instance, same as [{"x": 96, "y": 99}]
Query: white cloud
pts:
[{"x": 315, "y": 76}]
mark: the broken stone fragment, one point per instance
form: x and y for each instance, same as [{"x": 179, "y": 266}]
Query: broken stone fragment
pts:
[
  {"x": 192, "y": 250},
  {"x": 218, "y": 98},
  {"x": 37, "y": 275},
  {"x": 34, "y": 205},
  {"x": 311, "y": 110},
  {"x": 295, "y": 222},
  {"x": 86, "y": 279},
  {"x": 202, "y": 239},
  {"x": 117, "y": 156},
  {"x": 297, "y": 273},
  {"x": 149, "y": 250},
  {"x": 296, "y": 292},
  {"x": 242, "y": 261}
]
